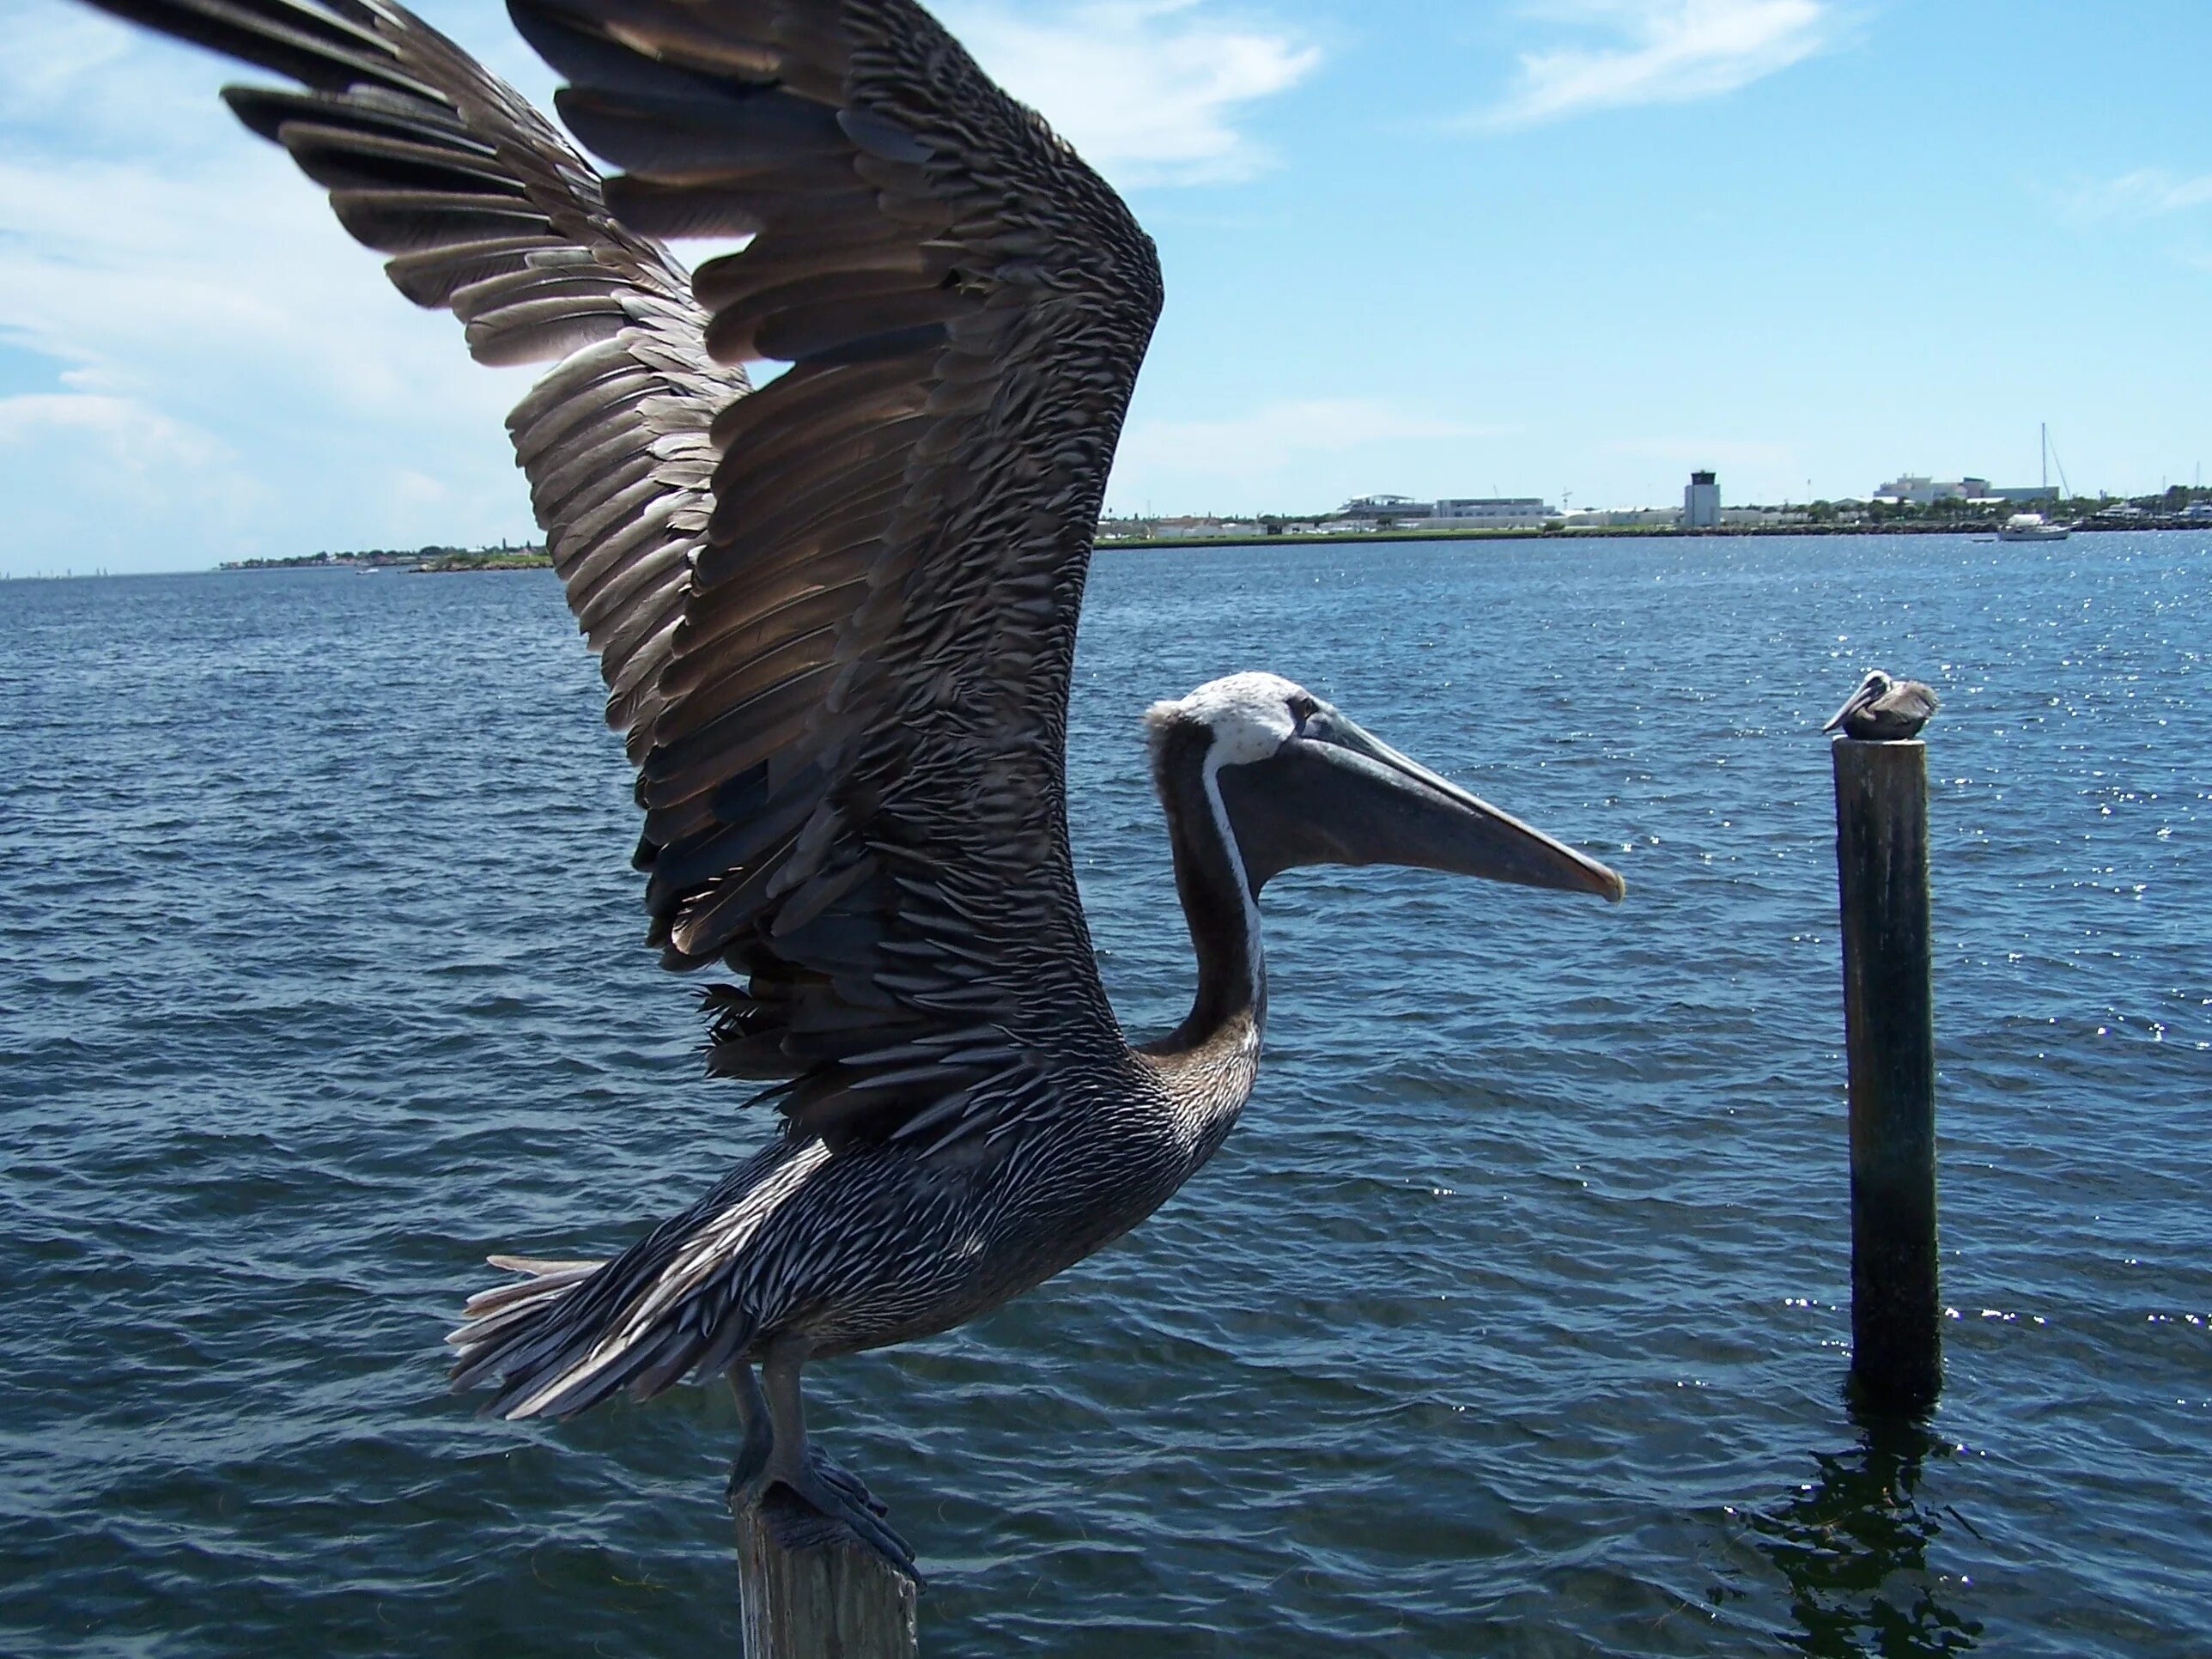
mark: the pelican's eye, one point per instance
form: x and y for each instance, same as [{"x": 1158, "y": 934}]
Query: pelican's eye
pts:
[{"x": 1302, "y": 708}]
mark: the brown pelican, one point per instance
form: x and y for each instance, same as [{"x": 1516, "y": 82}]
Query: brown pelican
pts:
[
  {"x": 1883, "y": 709},
  {"x": 836, "y": 617}
]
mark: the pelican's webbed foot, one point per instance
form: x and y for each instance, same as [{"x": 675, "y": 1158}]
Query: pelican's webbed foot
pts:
[
  {"x": 768, "y": 1460},
  {"x": 837, "y": 1495}
]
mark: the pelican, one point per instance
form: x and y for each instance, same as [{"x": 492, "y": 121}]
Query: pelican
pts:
[
  {"x": 835, "y": 616},
  {"x": 1884, "y": 709}
]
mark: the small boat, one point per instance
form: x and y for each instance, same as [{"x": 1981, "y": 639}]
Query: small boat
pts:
[{"x": 2031, "y": 527}]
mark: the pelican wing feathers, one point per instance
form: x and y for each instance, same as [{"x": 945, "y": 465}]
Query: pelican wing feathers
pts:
[
  {"x": 836, "y": 615},
  {"x": 488, "y": 212},
  {"x": 854, "y": 783}
]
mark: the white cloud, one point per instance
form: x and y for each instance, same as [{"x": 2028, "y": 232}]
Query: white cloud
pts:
[
  {"x": 33, "y": 414},
  {"x": 53, "y": 53},
  {"x": 1660, "y": 51},
  {"x": 223, "y": 264},
  {"x": 2146, "y": 193},
  {"x": 1148, "y": 90},
  {"x": 161, "y": 258},
  {"x": 103, "y": 477},
  {"x": 182, "y": 278}
]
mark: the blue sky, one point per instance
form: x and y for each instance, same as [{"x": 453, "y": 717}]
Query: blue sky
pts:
[{"x": 1539, "y": 248}]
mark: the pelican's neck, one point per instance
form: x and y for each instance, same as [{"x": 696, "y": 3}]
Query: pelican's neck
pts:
[{"x": 1230, "y": 1010}]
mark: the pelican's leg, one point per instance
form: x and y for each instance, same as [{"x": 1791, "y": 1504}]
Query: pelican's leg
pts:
[
  {"x": 749, "y": 1475},
  {"x": 811, "y": 1477},
  {"x": 760, "y": 1437}
]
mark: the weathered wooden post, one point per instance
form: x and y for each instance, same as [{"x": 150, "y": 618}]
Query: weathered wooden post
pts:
[
  {"x": 810, "y": 1590},
  {"x": 1881, "y": 860}
]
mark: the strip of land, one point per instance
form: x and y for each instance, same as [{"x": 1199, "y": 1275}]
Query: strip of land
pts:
[
  {"x": 1619, "y": 533},
  {"x": 442, "y": 561},
  {"x": 431, "y": 559}
]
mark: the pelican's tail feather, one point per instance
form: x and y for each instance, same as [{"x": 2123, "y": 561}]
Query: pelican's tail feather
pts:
[
  {"x": 503, "y": 1307},
  {"x": 685, "y": 1298}
]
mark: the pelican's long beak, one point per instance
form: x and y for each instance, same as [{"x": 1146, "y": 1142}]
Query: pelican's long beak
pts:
[
  {"x": 1868, "y": 689},
  {"x": 1335, "y": 794}
]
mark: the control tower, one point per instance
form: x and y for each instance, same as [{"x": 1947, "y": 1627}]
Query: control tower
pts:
[{"x": 1701, "y": 502}]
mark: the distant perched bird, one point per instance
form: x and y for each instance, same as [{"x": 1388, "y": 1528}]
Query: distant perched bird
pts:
[
  {"x": 1884, "y": 710},
  {"x": 836, "y": 617}
]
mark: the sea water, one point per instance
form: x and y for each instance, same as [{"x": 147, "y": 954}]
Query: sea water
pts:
[{"x": 1513, "y": 1319}]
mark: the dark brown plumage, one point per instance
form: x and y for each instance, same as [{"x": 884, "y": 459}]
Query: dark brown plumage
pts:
[
  {"x": 1883, "y": 709},
  {"x": 836, "y": 617}
]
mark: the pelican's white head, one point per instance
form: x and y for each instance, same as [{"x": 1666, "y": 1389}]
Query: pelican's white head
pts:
[
  {"x": 1301, "y": 784},
  {"x": 1249, "y": 716}
]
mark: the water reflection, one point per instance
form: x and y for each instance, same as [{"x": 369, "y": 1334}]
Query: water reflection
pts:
[{"x": 1853, "y": 1545}]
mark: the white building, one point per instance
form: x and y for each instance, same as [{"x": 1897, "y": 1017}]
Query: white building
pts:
[
  {"x": 1922, "y": 492},
  {"x": 1701, "y": 502},
  {"x": 1494, "y": 511},
  {"x": 1622, "y": 517},
  {"x": 1386, "y": 507},
  {"x": 1209, "y": 528}
]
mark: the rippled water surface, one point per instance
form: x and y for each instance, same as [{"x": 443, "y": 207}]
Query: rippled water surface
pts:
[{"x": 1512, "y": 1319}]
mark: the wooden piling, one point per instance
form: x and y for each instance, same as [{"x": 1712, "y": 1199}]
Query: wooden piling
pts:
[
  {"x": 1881, "y": 860},
  {"x": 810, "y": 1590}
]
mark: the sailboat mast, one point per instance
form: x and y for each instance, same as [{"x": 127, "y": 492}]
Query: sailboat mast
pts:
[{"x": 2043, "y": 439}]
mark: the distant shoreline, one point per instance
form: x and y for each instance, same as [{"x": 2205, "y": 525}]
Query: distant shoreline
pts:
[
  {"x": 1657, "y": 532},
  {"x": 463, "y": 561},
  {"x": 410, "y": 564},
  {"x": 459, "y": 563}
]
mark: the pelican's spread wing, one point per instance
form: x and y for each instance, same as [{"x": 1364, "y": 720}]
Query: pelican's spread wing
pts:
[
  {"x": 489, "y": 212},
  {"x": 853, "y": 779},
  {"x": 837, "y": 616}
]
